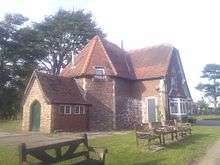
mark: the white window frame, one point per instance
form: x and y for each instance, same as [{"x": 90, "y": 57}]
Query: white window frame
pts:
[
  {"x": 174, "y": 102},
  {"x": 100, "y": 68},
  {"x": 79, "y": 112},
  {"x": 183, "y": 109},
  {"x": 62, "y": 110},
  {"x": 65, "y": 110}
]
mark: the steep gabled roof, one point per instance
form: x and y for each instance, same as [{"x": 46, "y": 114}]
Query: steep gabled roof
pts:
[
  {"x": 147, "y": 63},
  {"x": 99, "y": 52},
  {"x": 57, "y": 89}
]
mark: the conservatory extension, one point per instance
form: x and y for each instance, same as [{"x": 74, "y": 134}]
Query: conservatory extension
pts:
[{"x": 180, "y": 108}]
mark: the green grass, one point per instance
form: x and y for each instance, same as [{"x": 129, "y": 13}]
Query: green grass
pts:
[
  {"x": 122, "y": 149},
  {"x": 207, "y": 117},
  {"x": 10, "y": 125}
]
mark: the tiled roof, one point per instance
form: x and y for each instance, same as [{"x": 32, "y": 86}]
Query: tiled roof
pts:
[
  {"x": 138, "y": 64},
  {"x": 59, "y": 89},
  {"x": 151, "y": 62}
]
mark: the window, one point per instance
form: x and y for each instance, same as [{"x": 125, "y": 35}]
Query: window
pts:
[
  {"x": 79, "y": 109},
  {"x": 99, "y": 71},
  {"x": 62, "y": 107},
  {"x": 183, "y": 106},
  {"x": 174, "y": 107},
  {"x": 182, "y": 110},
  {"x": 65, "y": 109}
]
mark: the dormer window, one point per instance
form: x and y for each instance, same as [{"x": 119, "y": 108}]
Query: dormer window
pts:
[{"x": 99, "y": 71}]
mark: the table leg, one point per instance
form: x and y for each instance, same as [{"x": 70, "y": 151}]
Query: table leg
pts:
[
  {"x": 172, "y": 137},
  {"x": 160, "y": 139},
  {"x": 176, "y": 136},
  {"x": 163, "y": 139}
]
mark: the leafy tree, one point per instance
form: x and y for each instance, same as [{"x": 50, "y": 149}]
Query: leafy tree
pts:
[
  {"x": 62, "y": 34},
  {"x": 202, "y": 105},
  {"x": 211, "y": 72},
  {"x": 18, "y": 57}
]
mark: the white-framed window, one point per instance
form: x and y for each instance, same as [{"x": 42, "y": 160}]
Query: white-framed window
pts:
[
  {"x": 79, "y": 109},
  {"x": 65, "y": 109},
  {"x": 173, "y": 107},
  {"x": 62, "y": 107},
  {"x": 99, "y": 71}
]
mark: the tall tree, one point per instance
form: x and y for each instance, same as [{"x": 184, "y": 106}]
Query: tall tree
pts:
[
  {"x": 211, "y": 72},
  {"x": 62, "y": 34},
  {"x": 19, "y": 54}
]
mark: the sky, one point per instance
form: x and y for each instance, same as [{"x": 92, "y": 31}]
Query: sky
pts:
[{"x": 192, "y": 26}]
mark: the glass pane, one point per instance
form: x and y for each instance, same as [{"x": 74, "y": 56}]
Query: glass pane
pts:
[
  {"x": 62, "y": 109},
  {"x": 100, "y": 71},
  {"x": 77, "y": 110}
]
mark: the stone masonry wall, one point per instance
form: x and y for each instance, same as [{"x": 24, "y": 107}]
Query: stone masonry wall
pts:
[
  {"x": 128, "y": 111},
  {"x": 100, "y": 94},
  {"x": 35, "y": 94}
]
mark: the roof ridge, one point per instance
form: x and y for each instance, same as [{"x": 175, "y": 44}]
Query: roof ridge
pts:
[
  {"x": 110, "y": 61},
  {"x": 151, "y": 47},
  {"x": 93, "y": 42}
]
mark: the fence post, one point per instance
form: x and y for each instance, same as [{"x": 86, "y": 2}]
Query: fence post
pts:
[{"x": 86, "y": 144}]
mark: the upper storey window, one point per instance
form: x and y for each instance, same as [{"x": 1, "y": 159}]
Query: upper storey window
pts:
[{"x": 99, "y": 71}]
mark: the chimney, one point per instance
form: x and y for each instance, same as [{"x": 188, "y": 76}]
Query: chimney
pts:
[{"x": 122, "y": 45}]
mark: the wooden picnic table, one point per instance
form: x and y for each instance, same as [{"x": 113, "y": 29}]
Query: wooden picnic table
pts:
[{"x": 165, "y": 130}]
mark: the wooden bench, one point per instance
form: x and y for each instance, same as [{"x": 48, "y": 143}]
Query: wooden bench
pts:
[{"x": 71, "y": 152}]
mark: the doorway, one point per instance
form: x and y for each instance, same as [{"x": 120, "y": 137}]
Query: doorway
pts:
[
  {"x": 151, "y": 106},
  {"x": 35, "y": 116}
]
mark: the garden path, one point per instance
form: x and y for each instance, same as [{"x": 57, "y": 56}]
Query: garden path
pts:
[{"x": 212, "y": 156}]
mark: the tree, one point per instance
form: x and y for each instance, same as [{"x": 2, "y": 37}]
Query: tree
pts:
[
  {"x": 19, "y": 54},
  {"x": 211, "y": 72},
  {"x": 62, "y": 34},
  {"x": 203, "y": 106}
]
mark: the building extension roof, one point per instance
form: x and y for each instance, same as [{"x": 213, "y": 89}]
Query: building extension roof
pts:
[{"x": 57, "y": 89}]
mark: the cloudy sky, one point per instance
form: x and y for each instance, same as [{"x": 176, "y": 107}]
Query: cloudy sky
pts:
[{"x": 192, "y": 26}]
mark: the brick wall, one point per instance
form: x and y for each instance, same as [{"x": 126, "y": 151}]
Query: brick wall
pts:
[
  {"x": 72, "y": 122},
  {"x": 35, "y": 94},
  {"x": 142, "y": 90}
]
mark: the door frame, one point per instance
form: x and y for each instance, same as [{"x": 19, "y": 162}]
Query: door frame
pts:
[
  {"x": 31, "y": 115},
  {"x": 156, "y": 104}
]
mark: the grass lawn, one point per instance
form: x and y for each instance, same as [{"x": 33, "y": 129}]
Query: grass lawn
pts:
[
  {"x": 207, "y": 117},
  {"x": 10, "y": 125},
  {"x": 122, "y": 149}
]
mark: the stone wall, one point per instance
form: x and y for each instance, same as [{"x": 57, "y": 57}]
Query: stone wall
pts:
[
  {"x": 127, "y": 107},
  {"x": 100, "y": 94},
  {"x": 35, "y": 94}
]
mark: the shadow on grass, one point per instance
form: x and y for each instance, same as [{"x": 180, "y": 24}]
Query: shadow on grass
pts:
[
  {"x": 187, "y": 140},
  {"x": 151, "y": 162}
]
